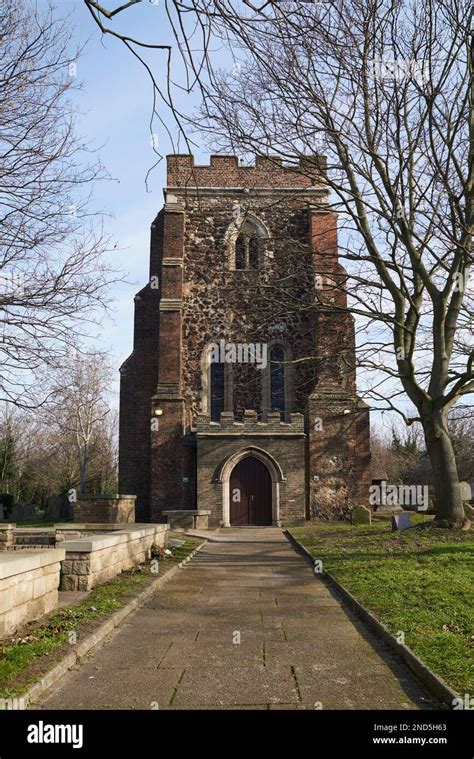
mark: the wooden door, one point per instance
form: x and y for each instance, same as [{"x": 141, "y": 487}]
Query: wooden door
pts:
[{"x": 250, "y": 493}]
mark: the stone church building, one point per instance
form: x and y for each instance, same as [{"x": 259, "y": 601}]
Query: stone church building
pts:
[{"x": 238, "y": 401}]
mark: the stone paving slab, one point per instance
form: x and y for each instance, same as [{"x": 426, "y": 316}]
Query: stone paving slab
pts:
[
  {"x": 355, "y": 689},
  {"x": 245, "y": 625},
  {"x": 321, "y": 650},
  {"x": 216, "y": 654},
  {"x": 226, "y": 633},
  {"x": 236, "y": 685},
  {"x": 90, "y": 687},
  {"x": 149, "y": 654}
]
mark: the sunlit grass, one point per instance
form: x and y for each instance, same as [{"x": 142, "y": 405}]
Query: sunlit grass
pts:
[{"x": 419, "y": 582}]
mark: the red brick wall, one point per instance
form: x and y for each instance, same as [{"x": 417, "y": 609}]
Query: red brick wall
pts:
[
  {"x": 225, "y": 171},
  {"x": 138, "y": 380}
]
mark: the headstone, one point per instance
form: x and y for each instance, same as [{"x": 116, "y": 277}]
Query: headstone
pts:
[
  {"x": 401, "y": 522},
  {"x": 67, "y": 509},
  {"x": 22, "y": 512},
  {"x": 58, "y": 508},
  {"x": 466, "y": 491},
  {"x": 361, "y": 515}
]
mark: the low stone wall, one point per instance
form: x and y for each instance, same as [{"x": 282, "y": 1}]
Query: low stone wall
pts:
[
  {"x": 7, "y": 536},
  {"x": 97, "y": 558},
  {"x": 183, "y": 519},
  {"x": 108, "y": 509},
  {"x": 29, "y": 582},
  {"x": 38, "y": 536},
  {"x": 74, "y": 530}
]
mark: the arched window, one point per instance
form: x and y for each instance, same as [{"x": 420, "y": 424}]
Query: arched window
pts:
[
  {"x": 216, "y": 383},
  {"x": 247, "y": 252},
  {"x": 217, "y": 390},
  {"x": 245, "y": 238},
  {"x": 254, "y": 249},
  {"x": 240, "y": 253},
  {"x": 277, "y": 379}
]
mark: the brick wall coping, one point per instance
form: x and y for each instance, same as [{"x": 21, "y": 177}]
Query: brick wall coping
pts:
[
  {"x": 7, "y": 525},
  {"x": 243, "y": 432},
  {"x": 197, "y": 512},
  {"x": 95, "y": 526},
  {"x": 17, "y": 562},
  {"x": 188, "y": 189},
  {"x": 114, "y": 497},
  {"x": 99, "y": 542}
]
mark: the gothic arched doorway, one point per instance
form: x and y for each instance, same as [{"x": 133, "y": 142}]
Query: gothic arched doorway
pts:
[{"x": 250, "y": 493}]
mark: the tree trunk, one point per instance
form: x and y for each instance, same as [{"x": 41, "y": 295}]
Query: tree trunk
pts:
[
  {"x": 449, "y": 507},
  {"x": 83, "y": 466}
]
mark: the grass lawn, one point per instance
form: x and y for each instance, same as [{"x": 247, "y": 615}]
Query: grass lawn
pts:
[
  {"x": 35, "y": 649},
  {"x": 416, "y": 581}
]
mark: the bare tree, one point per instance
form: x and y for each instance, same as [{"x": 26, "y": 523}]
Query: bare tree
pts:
[
  {"x": 188, "y": 25},
  {"x": 78, "y": 406},
  {"x": 384, "y": 91},
  {"x": 41, "y": 451},
  {"x": 53, "y": 278}
]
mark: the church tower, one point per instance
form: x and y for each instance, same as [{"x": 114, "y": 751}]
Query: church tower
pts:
[{"x": 238, "y": 403}]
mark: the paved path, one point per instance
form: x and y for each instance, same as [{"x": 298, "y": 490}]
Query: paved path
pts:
[{"x": 298, "y": 647}]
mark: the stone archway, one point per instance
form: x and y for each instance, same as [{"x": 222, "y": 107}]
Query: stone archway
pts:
[{"x": 274, "y": 469}]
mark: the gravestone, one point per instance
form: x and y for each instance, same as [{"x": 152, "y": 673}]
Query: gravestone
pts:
[
  {"x": 361, "y": 515},
  {"x": 67, "y": 508},
  {"x": 466, "y": 491},
  {"x": 21, "y": 512},
  {"x": 58, "y": 508},
  {"x": 401, "y": 522}
]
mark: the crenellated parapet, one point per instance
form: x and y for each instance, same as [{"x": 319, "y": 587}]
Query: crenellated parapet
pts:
[
  {"x": 227, "y": 171},
  {"x": 250, "y": 425}
]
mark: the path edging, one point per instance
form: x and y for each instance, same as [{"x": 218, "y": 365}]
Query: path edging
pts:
[
  {"x": 96, "y": 638},
  {"x": 432, "y": 682}
]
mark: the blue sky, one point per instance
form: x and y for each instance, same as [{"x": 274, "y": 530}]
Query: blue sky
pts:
[{"x": 115, "y": 106}]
